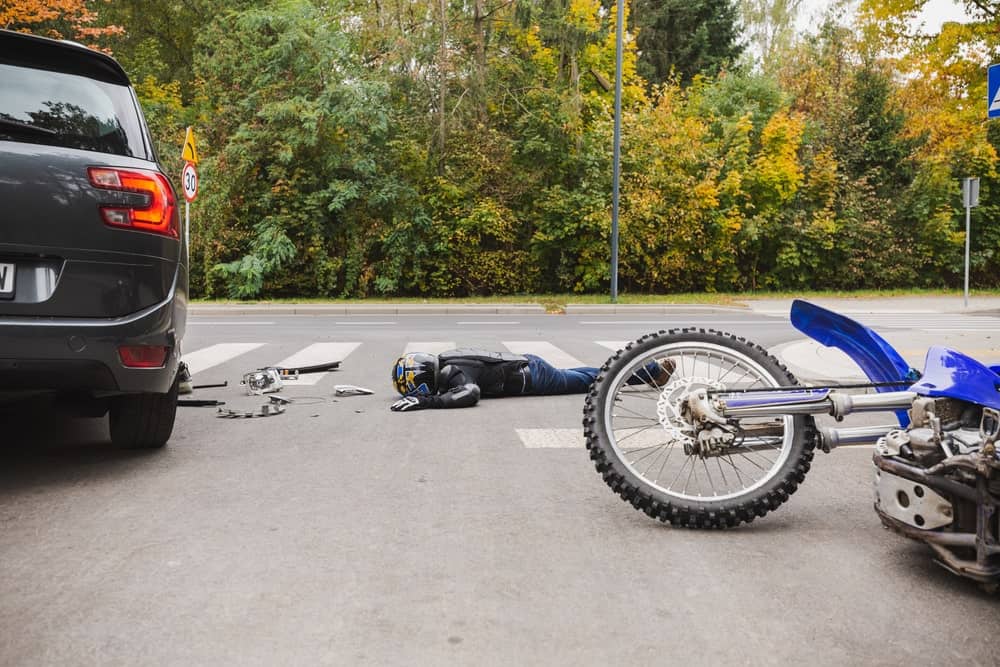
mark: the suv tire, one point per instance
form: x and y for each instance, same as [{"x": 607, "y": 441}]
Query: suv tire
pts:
[{"x": 143, "y": 421}]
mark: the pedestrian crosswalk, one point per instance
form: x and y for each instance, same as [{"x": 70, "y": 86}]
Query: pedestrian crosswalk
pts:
[
  {"x": 232, "y": 359},
  {"x": 314, "y": 355},
  {"x": 546, "y": 351},
  {"x": 212, "y": 356}
]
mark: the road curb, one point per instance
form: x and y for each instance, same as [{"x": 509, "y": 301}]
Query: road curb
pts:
[
  {"x": 365, "y": 309},
  {"x": 639, "y": 308},
  {"x": 446, "y": 309}
]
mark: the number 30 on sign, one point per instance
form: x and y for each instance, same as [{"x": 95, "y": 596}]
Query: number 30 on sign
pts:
[{"x": 189, "y": 181}]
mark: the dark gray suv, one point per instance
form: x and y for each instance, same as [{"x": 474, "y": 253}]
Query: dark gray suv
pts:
[{"x": 93, "y": 267}]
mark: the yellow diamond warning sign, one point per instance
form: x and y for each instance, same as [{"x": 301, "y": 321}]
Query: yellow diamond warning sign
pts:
[{"x": 190, "y": 153}]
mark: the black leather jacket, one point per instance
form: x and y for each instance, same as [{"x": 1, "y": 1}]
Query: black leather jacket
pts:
[{"x": 468, "y": 373}]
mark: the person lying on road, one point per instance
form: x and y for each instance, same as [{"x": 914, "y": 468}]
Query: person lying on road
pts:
[{"x": 458, "y": 378}]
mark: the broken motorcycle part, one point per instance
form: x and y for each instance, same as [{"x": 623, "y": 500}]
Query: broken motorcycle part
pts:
[
  {"x": 271, "y": 378},
  {"x": 350, "y": 390}
]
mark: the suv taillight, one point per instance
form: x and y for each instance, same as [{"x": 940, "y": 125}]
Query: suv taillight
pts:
[{"x": 156, "y": 215}]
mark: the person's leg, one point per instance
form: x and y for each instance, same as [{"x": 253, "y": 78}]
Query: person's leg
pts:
[
  {"x": 654, "y": 373},
  {"x": 547, "y": 379}
]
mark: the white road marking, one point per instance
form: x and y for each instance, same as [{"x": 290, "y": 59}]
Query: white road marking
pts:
[
  {"x": 205, "y": 358},
  {"x": 674, "y": 322},
  {"x": 366, "y": 324},
  {"x": 613, "y": 345},
  {"x": 317, "y": 353},
  {"x": 545, "y": 350},
  {"x": 551, "y": 438},
  {"x": 229, "y": 323},
  {"x": 430, "y": 347},
  {"x": 479, "y": 322}
]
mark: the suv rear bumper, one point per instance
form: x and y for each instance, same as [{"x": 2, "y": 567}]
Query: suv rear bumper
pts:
[{"x": 81, "y": 355}]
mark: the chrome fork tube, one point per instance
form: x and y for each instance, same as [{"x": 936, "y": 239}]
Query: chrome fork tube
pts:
[
  {"x": 831, "y": 437},
  {"x": 834, "y": 404}
]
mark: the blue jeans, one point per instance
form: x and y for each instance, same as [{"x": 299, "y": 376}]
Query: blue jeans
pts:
[{"x": 547, "y": 379}]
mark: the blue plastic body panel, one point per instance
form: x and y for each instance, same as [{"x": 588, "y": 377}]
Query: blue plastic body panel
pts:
[
  {"x": 872, "y": 353},
  {"x": 951, "y": 374}
]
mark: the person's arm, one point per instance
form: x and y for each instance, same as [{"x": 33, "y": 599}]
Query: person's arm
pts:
[
  {"x": 458, "y": 397},
  {"x": 457, "y": 392}
]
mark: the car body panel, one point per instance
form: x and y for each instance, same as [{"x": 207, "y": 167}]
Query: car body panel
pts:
[{"x": 82, "y": 288}]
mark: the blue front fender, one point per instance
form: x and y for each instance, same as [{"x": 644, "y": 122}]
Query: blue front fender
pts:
[{"x": 876, "y": 357}]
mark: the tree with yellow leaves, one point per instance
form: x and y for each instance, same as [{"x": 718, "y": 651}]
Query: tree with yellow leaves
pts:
[{"x": 60, "y": 19}]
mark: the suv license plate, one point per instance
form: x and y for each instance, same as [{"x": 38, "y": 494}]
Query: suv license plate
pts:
[{"x": 7, "y": 281}]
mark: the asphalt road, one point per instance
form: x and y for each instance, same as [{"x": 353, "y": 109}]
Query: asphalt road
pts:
[{"x": 341, "y": 533}]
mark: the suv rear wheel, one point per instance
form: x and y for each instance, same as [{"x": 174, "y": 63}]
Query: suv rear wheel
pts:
[{"x": 143, "y": 421}]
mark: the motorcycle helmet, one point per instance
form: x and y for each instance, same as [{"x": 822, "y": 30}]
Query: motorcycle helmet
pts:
[{"x": 415, "y": 374}]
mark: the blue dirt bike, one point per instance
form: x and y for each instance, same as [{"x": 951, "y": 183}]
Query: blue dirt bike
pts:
[{"x": 730, "y": 436}]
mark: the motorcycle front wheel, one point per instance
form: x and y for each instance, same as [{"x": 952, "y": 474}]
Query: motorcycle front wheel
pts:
[{"x": 648, "y": 454}]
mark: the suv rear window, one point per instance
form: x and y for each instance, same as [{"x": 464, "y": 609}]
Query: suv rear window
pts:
[{"x": 59, "y": 109}]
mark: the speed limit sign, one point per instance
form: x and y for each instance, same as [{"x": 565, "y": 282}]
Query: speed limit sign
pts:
[{"x": 189, "y": 181}]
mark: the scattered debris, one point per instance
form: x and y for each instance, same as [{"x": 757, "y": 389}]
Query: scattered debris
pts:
[
  {"x": 350, "y": 390},
  {"x": 265, "y": 380},
  {"x": 271, "y": 378},
  {"x": 210, "y": 386},
  {"x": 275, "y": 406},
  {"x": 266, "y": 410},
  {"x": 269, "y": 409}
]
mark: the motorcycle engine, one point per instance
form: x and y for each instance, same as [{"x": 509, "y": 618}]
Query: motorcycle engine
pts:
[{"x": 939, "y": 428}]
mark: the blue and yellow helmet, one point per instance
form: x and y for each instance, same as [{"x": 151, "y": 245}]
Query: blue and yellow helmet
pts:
[{"x": 415, "y": 374}]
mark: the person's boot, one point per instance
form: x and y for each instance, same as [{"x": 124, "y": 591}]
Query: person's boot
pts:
[
  {"x": 665, "y": 370},
  {"x": 184, "y": 381}
]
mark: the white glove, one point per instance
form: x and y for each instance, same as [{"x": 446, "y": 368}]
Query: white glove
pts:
[{"x": 407, "y": 404}]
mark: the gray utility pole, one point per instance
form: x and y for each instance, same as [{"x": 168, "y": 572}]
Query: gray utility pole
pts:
[
  {"x": 970, "y": 198},
  {"x": 617, "y": 152}
]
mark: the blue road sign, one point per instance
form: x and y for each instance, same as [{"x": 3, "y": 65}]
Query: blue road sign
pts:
[{"x": 993, "y": 92}]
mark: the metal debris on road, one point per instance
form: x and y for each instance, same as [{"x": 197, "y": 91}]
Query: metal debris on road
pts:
[
  {"x": 272, "y": 378},
  {"x": 350, "y": 390},
  {"x": 198, "y": 403},
  {"x": 275, "y": 406}
]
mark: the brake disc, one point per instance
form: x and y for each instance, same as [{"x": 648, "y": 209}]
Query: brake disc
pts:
[{"x": 668, "y": 407}]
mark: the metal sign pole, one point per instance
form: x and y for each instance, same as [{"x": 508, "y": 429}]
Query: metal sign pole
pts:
[
  {"x": 967, "y": 210},
  {"x": 187, "y": 231},
  {"x": 616, "y": 176},
  {"x": 970, "y": 198}
]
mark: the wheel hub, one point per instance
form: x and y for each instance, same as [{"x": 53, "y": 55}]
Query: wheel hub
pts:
[{"x": 668, "y": 408}]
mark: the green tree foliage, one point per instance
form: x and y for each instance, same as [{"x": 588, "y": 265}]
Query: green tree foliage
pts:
[
  {"x": 293, "y": 174},
  {"x": 685, "y": 37},
  {"x": 463, "y": 147}
]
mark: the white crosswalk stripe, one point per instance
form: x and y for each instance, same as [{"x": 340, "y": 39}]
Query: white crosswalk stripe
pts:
[
  {"x": 213, "y": 355},
  {"x": 317, "y": 353},
  {"x": 546, "y": 351},
  {"x": 613, "y": 345},
  {"x": 551, "y": 438},
  {"x": 431, "y": 347}
]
